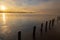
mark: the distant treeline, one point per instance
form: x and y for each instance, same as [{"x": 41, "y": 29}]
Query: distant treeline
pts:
[{"x": 14, "y": 12}]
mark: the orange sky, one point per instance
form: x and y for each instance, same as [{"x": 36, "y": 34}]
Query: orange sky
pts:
[{"x": 14, "y": 5}]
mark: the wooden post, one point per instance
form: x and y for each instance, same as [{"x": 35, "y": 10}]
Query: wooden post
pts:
[
  {"x": 41, "y": 27},
  {"x": 46, "y": 26},
  {"x": 53, "y": 22},
  {"x": 19, "y": 35},
  {"x": 50, "y": 25},
  {"x": 34, "y": 30}
]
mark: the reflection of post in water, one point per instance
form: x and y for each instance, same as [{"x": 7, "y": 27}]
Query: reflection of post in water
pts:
[
  {"x": 50, "y": 25},
  {"x": 34, "y": 30},
  {"x": 46, "y": 26},
  {"x": 53, "y": 22},
  {"x": 19, "y": 35},
  {"x": 1, "y": 38},
  {"x": 41, "y": 27},
  {"x": 41, "y": 36}
]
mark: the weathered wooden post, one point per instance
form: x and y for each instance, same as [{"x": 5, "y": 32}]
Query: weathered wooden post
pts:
[
  {"x": 34, "y": 31},
  {"x": 19, "y": 35},
  {"x": 53, "y": 21},
  {"x": 41, "y": 27},
  {"x": 50, "y": 25},
  {"x": 46, "y": 26},
  {"x": 41, "y": 30}
]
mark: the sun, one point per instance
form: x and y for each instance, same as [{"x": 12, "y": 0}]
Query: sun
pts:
[{"x": 3, "y": 8}]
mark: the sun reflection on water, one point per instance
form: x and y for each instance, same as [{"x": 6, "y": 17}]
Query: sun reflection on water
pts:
[
  {"x": 4, "y": 29},
  {"x": 4, "y": 18}
]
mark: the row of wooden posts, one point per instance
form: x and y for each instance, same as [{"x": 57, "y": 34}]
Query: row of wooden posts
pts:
[{"x": 51, "y": 24}]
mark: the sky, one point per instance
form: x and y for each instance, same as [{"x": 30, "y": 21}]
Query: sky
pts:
[{"x": 31, "y": 5}]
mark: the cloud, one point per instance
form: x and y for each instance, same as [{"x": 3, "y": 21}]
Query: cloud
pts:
[
  {"x": 32, "y": 5},
  {"x": 48, "y": 5},
  {"x": 23, "y": 2}
]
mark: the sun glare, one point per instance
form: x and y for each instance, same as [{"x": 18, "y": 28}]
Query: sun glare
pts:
[{"x": 3, "y": 8}]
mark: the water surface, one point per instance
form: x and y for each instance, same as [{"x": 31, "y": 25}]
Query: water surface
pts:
[{"x": 11, "y": 23}]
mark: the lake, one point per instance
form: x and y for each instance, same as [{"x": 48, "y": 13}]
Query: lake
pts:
[{"x": 11, "y": 23}]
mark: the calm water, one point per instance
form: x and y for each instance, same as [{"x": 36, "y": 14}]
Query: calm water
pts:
[{"x": 11, "y": 23}]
